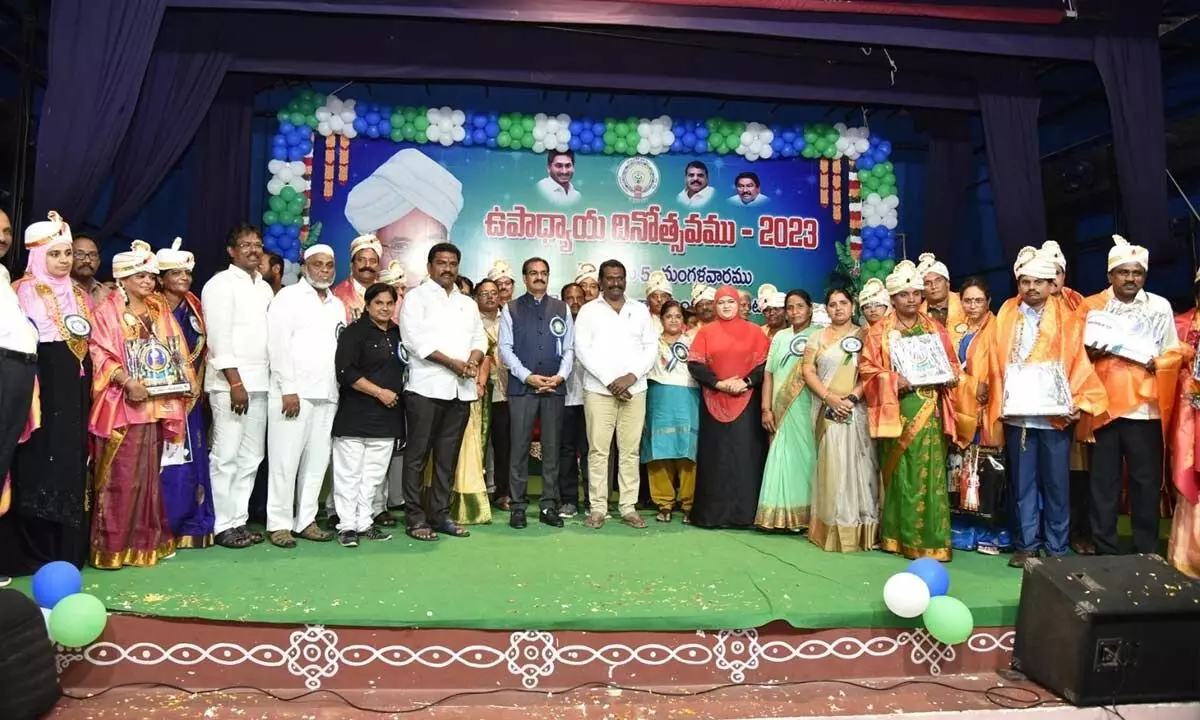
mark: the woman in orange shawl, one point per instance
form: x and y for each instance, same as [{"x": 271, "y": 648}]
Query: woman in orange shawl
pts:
[
  {"x": 1183, "y": 548},
  {"x": 727, "y": 359},
  {"x": 129, "y": 522}
]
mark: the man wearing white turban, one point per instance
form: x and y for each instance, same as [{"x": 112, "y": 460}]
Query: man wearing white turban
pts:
[
  {"x": 303, "y": 323},
  {"x": 588, "y": 279},
  {"x": 1055, "y": 253},
  {"x": 501, "y": 273},
  {"x": 1037, "y": 328},
  {"x": 874, "y": 301},
  {"x": 1141, "y": 398},
  {"x": 410, "y": 203},
  {"x": 365, "y": 253},
  {"x": 703, "y": 304},
  {"x": 940, "y": 303},
  {"x": 773, "y": 309},
  {"x": 658, "y": 291}
]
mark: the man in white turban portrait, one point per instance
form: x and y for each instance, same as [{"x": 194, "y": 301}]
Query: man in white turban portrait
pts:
[{"x": 409, "y": 203}]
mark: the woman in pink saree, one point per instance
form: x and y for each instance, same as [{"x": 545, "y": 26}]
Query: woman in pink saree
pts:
[
  {"x": 1183, "y": 548},
  {"x": 137, "y": 346}
]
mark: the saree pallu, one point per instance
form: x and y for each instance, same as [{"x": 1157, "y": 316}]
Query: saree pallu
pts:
[
  {"x": 672, "y": 428},
  {"x": 469, "y": 497},
  {"x": 129, "y": 523},
  {"x": 785, "y": 500},
  {"x": 187, "y": 489},
  {"x": 916, "y": 507},
  {"x": 846, "y": 492}
]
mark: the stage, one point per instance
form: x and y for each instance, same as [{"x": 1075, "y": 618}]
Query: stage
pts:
[{"x": 542, "y": 608}]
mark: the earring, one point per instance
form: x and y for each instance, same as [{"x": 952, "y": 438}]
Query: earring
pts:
[{"x": 124, "y": 295}]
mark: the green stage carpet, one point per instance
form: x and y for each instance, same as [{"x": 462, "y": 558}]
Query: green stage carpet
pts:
[{"x": 667, "y": 577}]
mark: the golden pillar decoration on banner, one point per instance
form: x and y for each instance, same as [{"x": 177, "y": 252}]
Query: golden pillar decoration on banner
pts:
[
  {"x": 330, "y": 155},
  {"x": 344, "y": 160},
  {"x": 824, "y": 182},
  {"x": 837, "y": 191}
]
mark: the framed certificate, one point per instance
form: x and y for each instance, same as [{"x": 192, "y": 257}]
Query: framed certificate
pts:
[
  {"x": 1036, "y": 389},
  {"x": 922, "y": 360},
  {"x": 158, "y": 365},
  {"x": 1133, "y": 336}
]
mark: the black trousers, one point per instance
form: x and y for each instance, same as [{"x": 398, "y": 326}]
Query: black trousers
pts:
[
  {"x": 501, "y": 450},
  {"x": 16, "y": 395},
  {"x": 437, "y": 426},
  {"x": 523, "y": 411},
  {"x": 1140, "y": 444},
  {"x": 573, "y": 446}
]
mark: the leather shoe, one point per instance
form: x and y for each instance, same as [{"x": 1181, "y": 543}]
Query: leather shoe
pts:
[
  {"x": 516, "y": 520},
  {"x": 551, "y": 518},
  {"x": 1019, "y": 558}
]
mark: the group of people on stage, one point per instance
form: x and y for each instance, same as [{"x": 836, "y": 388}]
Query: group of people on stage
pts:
[{"x": 134, "y": 417}]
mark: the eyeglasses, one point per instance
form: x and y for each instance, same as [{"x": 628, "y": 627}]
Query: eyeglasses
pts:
[
  {"x": 487, "y": 295},
  {"x": 86, "y": 255},
  {"x": 244, "y": 246},
  {"x": 974, "y": 301}
]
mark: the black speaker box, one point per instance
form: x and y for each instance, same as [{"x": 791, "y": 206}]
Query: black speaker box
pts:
[
  {"x": 1109, "y": 629},
  {"x": 28, "y": 678}
]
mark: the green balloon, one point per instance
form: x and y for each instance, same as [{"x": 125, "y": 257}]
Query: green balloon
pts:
[
  {"x": 282, "y": 116},
  {"x": 621, "y": 129},
  {"x": 610, "y": 137},
  {"x": 517, "y": 131},
  {"x": 288, "y": 193},
  {"x": 504, "y": 139},
  {"x": 397, "y": 134},
  {"x": 420, "y": 123},
  {"x": 296, "y": 207},
  {"x": 870, "y": 183},
  {"x": 276, "y": 203},
  {"x": 609, "y": 149},
  {"x": 810, "y": 137},
  {"x": 312, "y": 121},
  {"x": 297, "y": 118},
  {"x": 872, "y": 266},
  {"x": 621, "y": 146},
  {"x": 527, "y": 123},
  {"x": 947, "y": 619},
  {"x": 887, "y": 166},
  {"x": 505, "y": 122},
  {"x": 887, "y": 265},
  {"x": 830, "y": 152},
  {"x": 77, "y": 620},
  {"x": 410, "y": 132},
  {"x": 270, "y": 217},
  {"x": 527, "y": 141}
]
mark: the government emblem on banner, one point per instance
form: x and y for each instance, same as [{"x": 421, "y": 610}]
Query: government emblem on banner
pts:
[{"x": 638, "y": 178}]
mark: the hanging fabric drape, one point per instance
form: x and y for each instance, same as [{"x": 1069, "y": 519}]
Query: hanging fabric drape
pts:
[
  {"x": 1009, "y": 104},
  {"x": 947, "y": 173}
]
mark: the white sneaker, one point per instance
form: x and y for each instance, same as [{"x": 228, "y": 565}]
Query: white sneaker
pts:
[{"x": 5, "y": 581}]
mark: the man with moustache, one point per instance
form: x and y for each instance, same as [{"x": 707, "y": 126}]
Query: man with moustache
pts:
[
  {"x": 940, "y": 304},
  {"x": 365, "y": 251},
  {"x": 235, "y": 303},
  {"x": 556, "y": 187},
  {"x": 696, "y": 191},
  {"x": 747, "y": 191},
  {"x": 443, "y": 337},
  {"x": 536, "y": 348},
  {"x": 573, "y": 438},
  {"x": 617, "y": 346},
  {"x": 85, "y": 256},
  {"x": 303, "y": 322},
  {"x": 587, "y": 277},
  {"x": 271, "y": 268},
  {"x": 703, "y": 299},
  {"x": 501, "y": 273},
  {"x": 771, "y": 302}
]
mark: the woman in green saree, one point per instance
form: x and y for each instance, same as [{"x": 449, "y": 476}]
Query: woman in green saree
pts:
[{"x": 784, "y": 501}]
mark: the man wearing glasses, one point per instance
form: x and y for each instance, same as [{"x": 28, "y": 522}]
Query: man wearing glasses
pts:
[{"x": 86, "y": 257}]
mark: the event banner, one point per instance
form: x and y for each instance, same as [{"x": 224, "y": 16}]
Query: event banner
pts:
[{"x": 712, "y": 219}]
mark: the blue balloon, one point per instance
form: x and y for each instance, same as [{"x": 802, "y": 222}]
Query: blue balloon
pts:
[
  {"x": 789, "y": 136},
  {"x": 372, "y": 118},
  {"x": 360, "y": 124},
  {"x": 870, "y": 241},
  {"x": 292, "y": 231},
  {"x": 865, "y": 162},
  {"x": 702, "y": 133},
  {"x": 279, "y": 152},
  {"x": 492, "y": 129},
  {"x": 385, "y": 111},
  {"x": 363, "y": 108},
  {"x": 701, "y": 146},
  {"x": 778, "y": 143},
  {"x": 306, "y": 147},
  {"x": 678, "y": 146},
  {"x": 279, "y": 139},
  {"x": 867, "y": 253},
  {"x": 385, "y": 128},
  {"x": 294, "y": 138},
  {"x": 271, "y": 243},
  {"x": 576, "y": 127},
  {"x": 874, "y": 139},
  {"x": 933, "y": 573},
  {"x": 491, "y": 143},
  {"x": 574, "y": 143},
  {"x": 689, "y": 139},
  {"x": 54, "y": 581},
  {"x": 885, "y": 147},
  {"x": 598, "y": 129},
  {"x": 304, "y": 130},
  {"x": 493, "y": 116},
  {"x": 478, "y": 136},
  {"x": 295, "y": 154},
  {"x": 799, "y": 143},
  {"x": 586, "y": 136},
  {"x": 373, "y": 131},
  {"x": 274, "y": 229},
  {"x": 598, "y": 144},
  {"x": 286, "y": 127},
  {"x": 479, "y": 120}
]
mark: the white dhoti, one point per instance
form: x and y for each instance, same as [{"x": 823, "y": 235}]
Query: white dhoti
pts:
[
  {"x": 238, "y": 444},
  {"x": 298, "y": 450},
  {"x": 360, "y": 466}
]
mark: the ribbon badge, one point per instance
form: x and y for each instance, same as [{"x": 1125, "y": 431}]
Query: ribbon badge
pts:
[
  {"x": 851, "y": 346},
  {"x": 402, "y": 353},
  {"x": 679, "y": 353},
  {"x": 77, "y": 325},
  {"x": 558, "y": 328},
  {"x": 195, "y": 321},
  {"x": 337, "y": 331},
  {"x": 798, "y": 345},
  {"x": 961, "y": 328}
]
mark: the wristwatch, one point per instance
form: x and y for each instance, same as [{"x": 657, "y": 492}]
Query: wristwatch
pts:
[{"x": 747, "y": 381}]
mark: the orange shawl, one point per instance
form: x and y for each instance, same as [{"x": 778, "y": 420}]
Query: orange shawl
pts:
[
  {"x": 954, "y": 310},
  {"x": 1060, "y": 337},
  {"x": 1128, "y": 384},
  {"x": 348, "y": 294},
  {"x": 880, "y": 381},
  {"x": 1183, "y": 445},
  {"x": 967, "y": 409},
  {"x": 1072, "y": 298}
]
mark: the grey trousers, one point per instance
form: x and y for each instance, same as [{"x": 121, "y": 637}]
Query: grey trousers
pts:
[{"x": 523, "y": 410}]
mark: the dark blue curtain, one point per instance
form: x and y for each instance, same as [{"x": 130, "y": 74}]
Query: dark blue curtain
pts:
[
  {"x": 177, "y": 91},
  {"x": 97, "y": 57},
  {"x": 947, "y": 173},
  {"x": 1009, "y": 106},
  {"x": 221, "y": 176}
]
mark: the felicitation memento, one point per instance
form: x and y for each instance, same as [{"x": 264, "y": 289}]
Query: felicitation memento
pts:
[
  {"x": 158, "y": 365},
  {"x": 1036, "y": 389},
  {"x": 1133, "y": 336},
  {"x": 922, "y": 360},
  {"x": 798, "y": 345}
]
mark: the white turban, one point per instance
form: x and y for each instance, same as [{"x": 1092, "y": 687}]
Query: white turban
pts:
[
  {"x": 365, "y": 242},
  {"x": 173, "y": 258},
  {"x": 408, "y": 181},
  {"x": 873, "y": 293},
  {"x": 1122, "y": 252},
  {"x": 658, "y": 282},
  {"x": 1035, "y": 264},
  {"x": 777, "y": 300},
  {"x": 702, "y": 292},
  {"x": 765, "y": 291},
  {"x": 393, "y": 274},
  {"x": 1052, "y": 249},
  {"x": 318, "y": 249},
  {"x": 54, "y": 231},
  {"x": 500, "y": 269},
  {"x": 928, "y": 263},
  {"x": 587, "y": 270},
  {"x": 903, "y": 277},
  {"x": 139, "y": 258}
]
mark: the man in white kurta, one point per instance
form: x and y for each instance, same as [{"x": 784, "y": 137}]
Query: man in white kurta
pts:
[
  {"x": 235, "y": 303},
  {"x": 303, "y": 323}
]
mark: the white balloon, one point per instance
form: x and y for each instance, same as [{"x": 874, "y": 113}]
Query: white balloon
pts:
[
  {"x": 766, "y": 136},
  {"x": 842, "y": 144},
  {"x": 285, "y": 175},
  {"x": 539, "y": 133},
  {"x": 564, "y": 136},
  {"x": 297, "y": 167},
  {"x": 349, "y": 132},
  {"x": 446, "y": 112},
  {"x": 552, "y": 125},
  {"x": 348, "y": 117},
  {"x": 751, "y": 155},
  {"x": 298, "y": 184},
  {"x": 336, "y": 123},
  {"x": 324, "y": 129},
  {"x": 445, "y": 125},
  {"x": 906, "y": 595},
  {"x": 349, "y": 104},
  {"x": 643, "y": 147},
  {"x": 539, "y": 146},
  {"x": 458, "y": 133},
  {"x": 433, "y": 133},
  {"x": 275, "y": 186},
  {"x": 432, "y": 115},
  {"x": 655, "y": 142},
  {"x": 668, "y": 138},
  {"x": 458, "y": 117},
  {"x": 446, "y": 140},
  {"x": 643, "y": 129},
  {"x": 892, "y": 201},
  {"x": 540, "y": 119},
  {"x": 665, "y": 120},
  {"x": 840, "y": 127},
  {"x": 755, "y": 147},
  {"x": 767, "y": 151},
  {"x": 740, "y": 150},
  {"x": 322, "y": 114},
  {"x": 334, "y": 103},
  {"x": 874, "y": 198},
  {"x": 862, "y": 145},
  {"x": 275, "y": 166},
  {"x": 890, "y": 223},
  {"x": 747, "y": 137},
  {"x": 563, "y": 119}
]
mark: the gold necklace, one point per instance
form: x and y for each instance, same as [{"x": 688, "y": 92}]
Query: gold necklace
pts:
[{"x": 76, "y": 344}]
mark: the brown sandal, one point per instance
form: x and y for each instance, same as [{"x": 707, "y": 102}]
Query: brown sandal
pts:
[
  {"x": 282, "y": 539},
  {"x": 232, "y": 539},
  {"x": 633, "y": 520},
  {"x": 314, "y": 533}
]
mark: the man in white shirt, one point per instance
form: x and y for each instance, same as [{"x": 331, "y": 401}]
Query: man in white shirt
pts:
[
  {"x": 747, "y": 191},
  {"x": 442, "y": 332},
  {"x": 557, "y": 187},
  {"x": 1141, "y": 397},
  {"x": 616, "y": 344},
  {"x": 303, "y": 322},
  {"x": 696, "y": 191},
  {"x": 235, "y": 303},
  {"x": 572, "y": 458}
]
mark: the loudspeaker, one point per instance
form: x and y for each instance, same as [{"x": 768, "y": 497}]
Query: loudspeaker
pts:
[
  {"x": 28, "y": 678},
  {"x": 1109, "y": 629}
]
